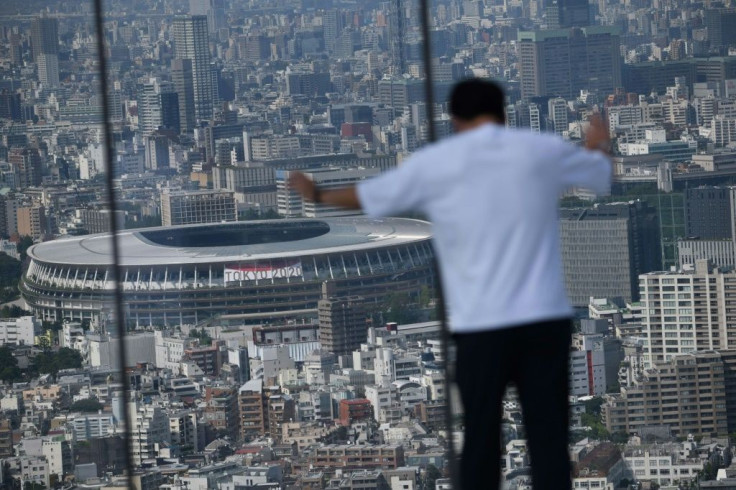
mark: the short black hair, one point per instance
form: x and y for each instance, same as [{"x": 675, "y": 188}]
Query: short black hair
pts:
[{"x": 477, "y": 97}]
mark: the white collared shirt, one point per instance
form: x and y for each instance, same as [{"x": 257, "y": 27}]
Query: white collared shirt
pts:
[{"x": 492, "y": 196}]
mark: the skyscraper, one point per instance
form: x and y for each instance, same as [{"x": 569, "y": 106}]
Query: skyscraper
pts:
[
  {"x": 332, "y": 27},
  {"x": 708, "y": 212},
  {"x": 396, "y": 34},
  {"x": 191, "y": 43},
  {"x": 48, "y": 69},
  {"x": 26, "y": 164},
  {"x": 44, "y": 37},
  {"x": 181, "y": 75},
  {"x": 720, "y": 24},
  {"x": 213, "y": 9},
  {"x": 563, "y": 62},
  {"x": 45, "y": 46},
  {"x": 568, "y": 13},
  {"x": 604, "y": 249},
  {"x": 157, "y": 106}
]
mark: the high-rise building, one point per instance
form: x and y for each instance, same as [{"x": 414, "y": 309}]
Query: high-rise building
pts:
[
  {"x": 604, "y": 249},
  {"x": 563, "y": 62},
  {"x": 709, "y": 212},
  {"x": 149, "y": 107},
  {"x": 557, "y": 110},
  {"x": 190, "y": 207},
  {"x": 183, "y": 79},
  {"x": 400, "y": 93},
  {"x": 10, "y": 105},
  {"x": 253, "y": 409},
  {"x": 213, "y": 9},
  {"x": 44, "y": 37},
  {"x": 32, "y": 221},
  {"x": 191, "y": 43},
  {"x": 343, "y": 324},
  {"x": 26, "y": 164},
  {"x": 169, "y": 101},
  {"x": 157, "y": 152},
  {"x": 686, "y": 311},
  {"x": 158, "y": 106},
  {"x": 48, "y": 69},
  {"x": 687, "y": 393},
  {"x": 221, "y": 410},
  {"x": 568, "y": 13},
  {"x": 719, "y": 24},
  {"x": 397, "y": 31},
  {"x": 332, "y": 26}
]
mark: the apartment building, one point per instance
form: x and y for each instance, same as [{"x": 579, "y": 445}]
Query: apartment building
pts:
[
  {"x": 687, "y": 311},
  {"x": 686, "y": 393}
]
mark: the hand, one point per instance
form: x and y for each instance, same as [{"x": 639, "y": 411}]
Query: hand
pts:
[
  {"x": 303, "y": 185},
  {"x": 597, "y": 136}
]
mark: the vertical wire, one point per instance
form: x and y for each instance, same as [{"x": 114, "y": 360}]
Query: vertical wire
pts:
[
  {"x": 440, "y": 296},
  {"x": 116, "y": 269}
]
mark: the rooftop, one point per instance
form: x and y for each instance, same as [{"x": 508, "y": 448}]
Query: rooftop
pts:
[{"x": 233, "y": 241}]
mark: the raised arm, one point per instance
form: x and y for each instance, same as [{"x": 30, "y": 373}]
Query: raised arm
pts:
[
  {"x": 346, "y": 197},
  {"x": 591, "y": 167}
]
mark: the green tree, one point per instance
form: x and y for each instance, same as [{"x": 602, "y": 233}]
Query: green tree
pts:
[
  {"x": 44, "y": 343},
  {"x": 13, "y": 311},
  {"x": 399, "y": 308},
  {"x": 87, "y": 405},
  {"x": 9, "y": 370},
  {"x": 431, "y": 474},
  {"x": 23, "y": 245},
  {"x": 52, "y": 362},
  {"x": 202, "y": 335},
  {"x": 10, "y": 271},
  {"x": 593, "y": 406}
]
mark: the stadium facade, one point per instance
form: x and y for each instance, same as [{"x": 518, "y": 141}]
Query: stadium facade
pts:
[{"x": 257, "y": 272}]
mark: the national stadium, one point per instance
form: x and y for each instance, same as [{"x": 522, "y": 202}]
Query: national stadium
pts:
[{"x": 254, "y": 272}]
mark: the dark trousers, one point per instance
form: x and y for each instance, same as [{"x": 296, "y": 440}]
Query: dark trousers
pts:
[{"x": 535, "y": 358}]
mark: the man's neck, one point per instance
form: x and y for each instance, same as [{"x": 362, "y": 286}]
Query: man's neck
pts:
[{"x": 476, "y": 123}]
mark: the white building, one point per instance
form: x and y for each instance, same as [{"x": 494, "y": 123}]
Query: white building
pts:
[
  {"x": 19, "y": 331},
  {"x": 35, "y": 469},
  {"x": 53, "y": 451},
  {"x": 72, "y": 336},
  {"x": 409, "y": 394},
  {"x": 169, "y": 350},
  {"x": 149, "y": 430},
  {"x": 558, "y": 114},
  {"x": 381, "y": 398},
  {"x": 686, "y": 311},
  {"x": 664, "y": 464},
  {"x": 103, "y": 349},
  {"x": 273, "y": 359},
  {"x": 92, "y": 426},
  {"x": 183, "y": 431}
]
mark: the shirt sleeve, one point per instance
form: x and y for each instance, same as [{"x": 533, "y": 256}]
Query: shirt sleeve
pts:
[
  {"x": 396, "y": 191},
  {"x": 584, "y": 168}
]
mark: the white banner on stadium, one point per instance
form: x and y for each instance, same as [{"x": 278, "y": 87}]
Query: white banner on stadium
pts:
[{"x": 257, "y": 272}]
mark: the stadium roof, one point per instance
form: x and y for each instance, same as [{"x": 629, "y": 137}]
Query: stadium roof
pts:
[{"x": 234, "y": 241}]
